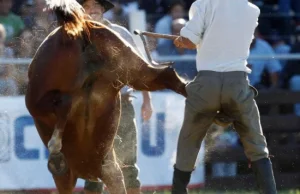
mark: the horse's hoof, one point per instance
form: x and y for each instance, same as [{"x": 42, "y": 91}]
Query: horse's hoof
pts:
[{"x": 57, "y": 164}]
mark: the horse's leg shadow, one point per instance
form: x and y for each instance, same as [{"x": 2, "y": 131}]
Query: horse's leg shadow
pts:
[{"x": 112, "y": 175}]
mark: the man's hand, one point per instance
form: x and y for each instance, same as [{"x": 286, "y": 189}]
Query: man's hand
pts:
[
  {"x": 146, "y": 106},
  {"x": 147, "y": 110},
  {"x": 182, "y": 42}
]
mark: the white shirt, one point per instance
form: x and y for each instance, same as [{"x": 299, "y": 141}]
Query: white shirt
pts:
[{"x": 223, "y": 31}]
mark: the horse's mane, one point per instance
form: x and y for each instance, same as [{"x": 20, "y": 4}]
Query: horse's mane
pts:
[{"x": 71, "y": 15}]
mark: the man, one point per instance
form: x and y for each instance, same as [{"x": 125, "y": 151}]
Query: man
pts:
[
  {"x": 39, "y": 25},
  {"x": 222, "y": 31},
  {"x": 257, "y": 66},
  {"x": 125, "y": 148},
  {"x": 13, "y": 24},
  {"x": 291, "y": 72},
  {"x": 8, "y": 85}
]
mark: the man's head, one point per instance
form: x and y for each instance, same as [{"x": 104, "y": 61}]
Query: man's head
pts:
[
  {"x": 96, "y": 8},
  {"x": 5, "y": 7},
  {"x": 177, "y": 9}
]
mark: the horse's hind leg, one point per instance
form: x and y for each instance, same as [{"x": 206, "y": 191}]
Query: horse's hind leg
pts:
[
  {"x": 57, "y": 163},
  {"x": 169, "y": 79},
  {"x": 65, "y": 184},
  {"x": 112, "y": 175},
  {"x": 165, "y": 78}
]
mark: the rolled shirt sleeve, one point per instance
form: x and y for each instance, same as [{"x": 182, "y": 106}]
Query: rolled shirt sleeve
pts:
[{"x": 195, "y": 27}]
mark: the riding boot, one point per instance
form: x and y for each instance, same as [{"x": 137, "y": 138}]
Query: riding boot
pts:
[
  {"x": 181, "y": 180},
  {"x": 264, "y": 176}
]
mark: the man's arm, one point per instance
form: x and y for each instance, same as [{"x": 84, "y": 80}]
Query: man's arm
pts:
[
  {"x": 192, "y": 33},
  {"x": 146, "y": 106}
]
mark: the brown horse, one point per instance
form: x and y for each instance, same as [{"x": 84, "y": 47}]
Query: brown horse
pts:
[{"x": 73, "y": 95}]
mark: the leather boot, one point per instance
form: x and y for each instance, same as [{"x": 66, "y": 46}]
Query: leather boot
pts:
[
  {"x": 181, "y": 180},
  {"x": 264, "y": 176}
]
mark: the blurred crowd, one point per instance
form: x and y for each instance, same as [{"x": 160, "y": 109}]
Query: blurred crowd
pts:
[{"x": 24, "y": 24}]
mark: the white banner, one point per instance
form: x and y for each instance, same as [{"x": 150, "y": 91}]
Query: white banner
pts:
[{"x": 23, "y": 157}]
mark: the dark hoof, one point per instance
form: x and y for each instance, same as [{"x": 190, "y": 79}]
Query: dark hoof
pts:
[{"x": 57, "y": 164}]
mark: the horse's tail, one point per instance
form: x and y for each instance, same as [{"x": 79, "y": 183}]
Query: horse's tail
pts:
[{"x": 70, "y": 14}]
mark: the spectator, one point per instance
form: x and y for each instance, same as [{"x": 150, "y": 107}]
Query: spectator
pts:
[
  {"x": 129, "y": 5},
  {"x": 12, "y": 23},
  {"x": 163, "y": 25},
  {"x": 279, "y": 46},
  {"x": 286, "y": 6},
  {"x": 292, "y": 67},
  {"x": 286, "y": 22},
  {"x": 271, "y": 65},
  {"x": 34, "y": 34},
  {"x": 17, "y": 4},
  {"x": 6, "y": 52},
  {"x": 153, "y": 8},
  {"x": 291, "y": 72},
  {"x": 8, "y": 86},
  {"x": 167, "y": 48},
  {"x": 117, "y": 15},
  {"x": 41, "y": 25},
  {"x": 266, "y": 21},
  {"x": 27, "y": 12}
]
